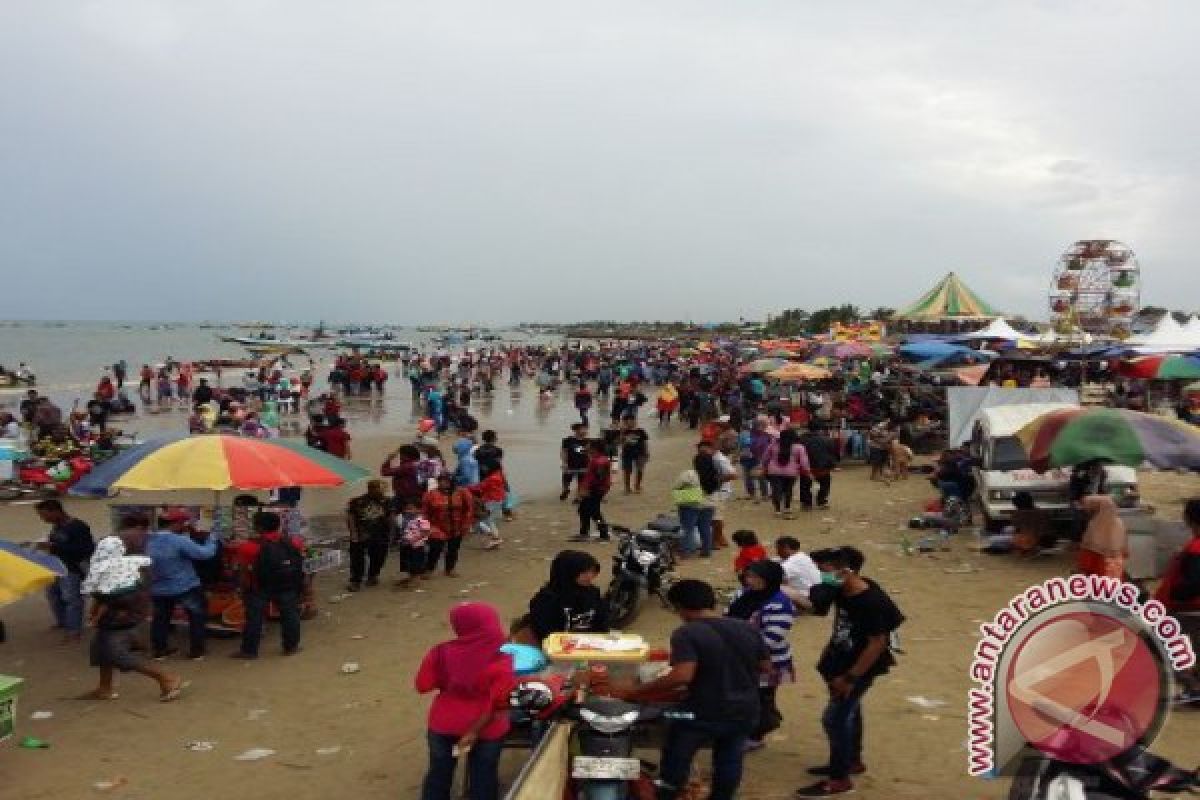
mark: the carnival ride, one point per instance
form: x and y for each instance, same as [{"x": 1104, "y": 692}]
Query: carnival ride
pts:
[{"x": 1096, "y": 288}]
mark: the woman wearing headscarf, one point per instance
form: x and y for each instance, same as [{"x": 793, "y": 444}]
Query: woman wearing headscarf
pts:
[
  {"x": 568, "y": 602},
  {"x": 469, "y": 715},
  {"x": 765, "y": 606},
  {"x": 119, "y": 605},
  {"x": 1105, "y": 545}
]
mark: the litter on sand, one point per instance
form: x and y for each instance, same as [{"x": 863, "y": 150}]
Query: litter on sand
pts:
[
  {"x": 108, "y": 784},
  {"x": 358, "y": 636},
  {"x": 200, "y": 746},
  {"x": 42, "y": 715},
  {"x": 927, "y": 703},
  {"x": 254, "y": 754},
  {"x": 350, "y": 667},
  {"x": 329, "y": 751}
]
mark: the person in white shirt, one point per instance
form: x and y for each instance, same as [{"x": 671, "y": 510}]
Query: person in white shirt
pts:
[
  {"x": 727, "y": 475},
  {"x": 800, "y": 574}
]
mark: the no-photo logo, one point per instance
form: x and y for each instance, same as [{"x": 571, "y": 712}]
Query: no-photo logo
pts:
[
  {"x": 1084, "y": 687},
  {"x": 1078, "y": 668}
]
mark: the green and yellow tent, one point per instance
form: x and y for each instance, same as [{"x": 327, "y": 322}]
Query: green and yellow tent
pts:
[{"x": 950, "y": 299}]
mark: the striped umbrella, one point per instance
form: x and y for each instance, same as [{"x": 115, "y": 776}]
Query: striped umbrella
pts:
[
  {"x": 1161, "y": 368},
  {"x": 24, "y": 571},
  {"x": 1073, "y": 436},
  {"x": 217, "y": 462}
]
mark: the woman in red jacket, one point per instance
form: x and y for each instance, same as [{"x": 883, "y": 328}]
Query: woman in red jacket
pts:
[{"x": 470, "y": 713}]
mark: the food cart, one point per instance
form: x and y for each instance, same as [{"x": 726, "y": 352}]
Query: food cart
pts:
[{"x": 221, "y": 576}]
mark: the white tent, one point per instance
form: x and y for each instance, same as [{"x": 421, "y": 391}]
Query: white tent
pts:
[
  {"x": 1191, "y": 330},
  {"x": 1168, "y": 336},
  {"x": 997, "y": 329}
]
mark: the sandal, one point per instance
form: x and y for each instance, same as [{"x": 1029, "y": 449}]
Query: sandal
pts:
[{"x": 173, "y": 693}]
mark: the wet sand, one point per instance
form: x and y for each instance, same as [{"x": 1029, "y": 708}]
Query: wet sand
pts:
[{"x": 298, "y": 706}]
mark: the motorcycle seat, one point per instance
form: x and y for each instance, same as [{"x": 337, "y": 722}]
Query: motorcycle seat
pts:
[{"x": 651, "y": 538}]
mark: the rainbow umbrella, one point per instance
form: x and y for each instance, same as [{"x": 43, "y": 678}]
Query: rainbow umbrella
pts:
[
  {"x": 1073, "y": 436},
  {"x": 24, "y": 571},
  {"x": 217, "y": 462},
  {"x": 1161, "y": 368}
]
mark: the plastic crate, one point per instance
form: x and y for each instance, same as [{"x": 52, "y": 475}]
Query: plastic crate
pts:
[{"x": 10, "y": 687}]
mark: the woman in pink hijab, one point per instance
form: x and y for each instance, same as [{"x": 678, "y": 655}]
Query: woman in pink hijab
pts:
[{"x": 470, "y": 713}]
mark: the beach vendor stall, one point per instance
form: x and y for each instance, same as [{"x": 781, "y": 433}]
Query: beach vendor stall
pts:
[
  {"x": 23, "y": 571},
  {"x": 216, "y": 463}
]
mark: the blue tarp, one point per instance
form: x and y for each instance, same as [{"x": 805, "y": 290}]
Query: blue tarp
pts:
[{"x": 925, "y": 351}]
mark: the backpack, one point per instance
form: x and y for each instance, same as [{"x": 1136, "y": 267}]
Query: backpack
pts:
[{"x": 279, "y": 566}]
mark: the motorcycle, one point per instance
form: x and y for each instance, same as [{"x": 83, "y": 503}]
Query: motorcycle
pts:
[
  {"x": 643, "y": 561},
  {"x": 1132, "y": 776},
  {"x": 605, "y": 766}
]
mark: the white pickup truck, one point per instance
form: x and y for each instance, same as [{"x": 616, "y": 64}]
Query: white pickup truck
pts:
[{"x": 1002, "y": 469}]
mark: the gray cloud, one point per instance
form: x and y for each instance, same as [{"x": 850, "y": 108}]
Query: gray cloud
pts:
[{"x": 418, "y": 162}]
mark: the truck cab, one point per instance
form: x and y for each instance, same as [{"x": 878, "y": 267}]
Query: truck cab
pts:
[{"x": 1002, "y": 468}]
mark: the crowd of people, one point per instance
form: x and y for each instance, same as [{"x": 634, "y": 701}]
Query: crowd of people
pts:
[{"x": 758, "y": 442}]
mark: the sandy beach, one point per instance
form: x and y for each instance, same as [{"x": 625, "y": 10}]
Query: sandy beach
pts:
[{"x": 363, "y": 734}]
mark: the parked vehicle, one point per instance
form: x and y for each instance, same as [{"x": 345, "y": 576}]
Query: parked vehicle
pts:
[
  {"x": 1130, "y": 777},
  {"x": 643, "y": 564},
  {"x": 1002, "y": 468},
  {"x": 605, "y": 766}
]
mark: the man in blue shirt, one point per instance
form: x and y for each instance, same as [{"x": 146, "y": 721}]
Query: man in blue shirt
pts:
[{"x": 174, "y": 581}]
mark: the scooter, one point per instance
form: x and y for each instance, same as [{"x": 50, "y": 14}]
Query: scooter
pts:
[
  {"x": 643, "y": 562},
  {"x": 1132, "y": 776}
]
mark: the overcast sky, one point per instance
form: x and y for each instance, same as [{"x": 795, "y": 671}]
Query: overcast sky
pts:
[{"x": 500, "y": 161}]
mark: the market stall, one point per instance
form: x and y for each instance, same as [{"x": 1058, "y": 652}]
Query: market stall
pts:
[{"x": 218, "y": 462}]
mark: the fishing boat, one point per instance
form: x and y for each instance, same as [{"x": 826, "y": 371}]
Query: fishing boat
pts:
[{"x": 11, "y": 381}]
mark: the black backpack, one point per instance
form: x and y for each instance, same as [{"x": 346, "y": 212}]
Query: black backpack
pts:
[{"x": 279, "y": 566}]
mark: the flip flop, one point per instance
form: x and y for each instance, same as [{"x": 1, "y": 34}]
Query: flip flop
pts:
[{"x": 173, "y": 693}]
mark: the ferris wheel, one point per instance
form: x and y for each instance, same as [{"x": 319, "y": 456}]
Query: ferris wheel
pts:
[{"x": 1096, "y": 287}]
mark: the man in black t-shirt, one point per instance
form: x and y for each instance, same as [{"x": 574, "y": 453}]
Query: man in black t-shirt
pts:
[
  {"x": 635, "y": 452},
  {"x": 573, "y": 455},
  {"x": 71, "y": 541},
  {"x": 369, "y": 519},
  {"x": 719, "y": 660},
  {"x": 857, "y": 653}
]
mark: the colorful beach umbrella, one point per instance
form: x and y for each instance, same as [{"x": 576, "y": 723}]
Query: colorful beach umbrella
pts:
[
  {"x": 765, "y": 365},
  {"x": 24, "y": 571},
  {"x": 1073, "y": 436},
  {"x": 800, "y": 372},
  {"x": 1161, "y": 368},
  {"x": 218, "y": 462}
]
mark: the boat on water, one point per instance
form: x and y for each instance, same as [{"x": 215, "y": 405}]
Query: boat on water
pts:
[
  {"x": 378, "y": 343},
  {"x": 11, "y": 381}
]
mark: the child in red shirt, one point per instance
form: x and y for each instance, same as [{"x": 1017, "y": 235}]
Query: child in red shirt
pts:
[{"x": 749, "y": 551}]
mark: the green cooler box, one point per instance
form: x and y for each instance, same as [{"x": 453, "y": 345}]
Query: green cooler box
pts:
[{"x": 10, "y": 687}]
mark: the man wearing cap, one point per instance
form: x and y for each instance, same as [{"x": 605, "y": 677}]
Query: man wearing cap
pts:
[{"x": 174, "y": 580}]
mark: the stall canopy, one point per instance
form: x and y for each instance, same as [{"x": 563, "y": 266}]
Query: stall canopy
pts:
[
  {"x": 1167, "y": 337},
  {"x": 949, "y": 299},
  {"x": 999, "y": 330}
]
